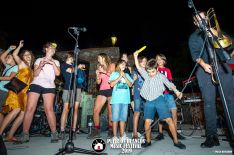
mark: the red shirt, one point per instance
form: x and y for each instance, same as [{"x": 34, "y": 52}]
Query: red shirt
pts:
[
  {"x": 231, "y": 66},
  {"x": 167, "y": 72}
]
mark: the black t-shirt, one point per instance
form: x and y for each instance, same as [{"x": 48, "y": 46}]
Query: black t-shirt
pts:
[
  {"x": 196, "y": 41},
  {"x": 67, "y": 76}
]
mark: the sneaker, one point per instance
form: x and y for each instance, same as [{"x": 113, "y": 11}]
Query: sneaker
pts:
[
  {"x": 24, "y": 138},
  {"x": 159, "y": 137},
  {"x": 54, "y": 137},
  {"x": 78, "y": 131},
  {"x": 115, "y": 138},
  {"x": 179, "y": 136},
  {"x": 123, "y": 138},
  {"x": 180, "y": 145},
  {"x": 146, "y": 144},
  {"x": 137, "y": 136},
  {"x": 110, "y": 133},
  {"x": 62, "y": 135},
  {"x": 95, "y": 133},
  {"x": 73, "y": 135},
  {"x": 210, "y": 142},
  {"x": 216, "y": 141}
]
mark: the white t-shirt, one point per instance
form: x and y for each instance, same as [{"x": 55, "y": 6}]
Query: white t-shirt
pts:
[{"x": 46, "y": 76}]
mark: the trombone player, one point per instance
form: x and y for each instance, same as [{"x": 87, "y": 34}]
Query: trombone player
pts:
[{"x": 205, "y": 73}]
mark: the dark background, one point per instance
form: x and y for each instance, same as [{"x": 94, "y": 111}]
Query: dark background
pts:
[{"x": 164, "y": 26}]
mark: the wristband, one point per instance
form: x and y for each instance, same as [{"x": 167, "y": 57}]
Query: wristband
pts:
[
  {"x": 175, "y": 91},
  {"x": 9, "y": 50}
]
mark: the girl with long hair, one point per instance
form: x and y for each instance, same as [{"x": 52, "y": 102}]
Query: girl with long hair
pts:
[
  {"x": 16, "y": 103},
  {"x": 104, "y": 94}
]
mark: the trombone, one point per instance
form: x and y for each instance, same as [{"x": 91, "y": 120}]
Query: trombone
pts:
[{"x": 223, "y": 40}]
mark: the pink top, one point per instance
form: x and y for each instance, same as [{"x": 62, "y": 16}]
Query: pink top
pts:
[
  {"x": 46, "y": 76},
  {"x": 104, "y": 81}
]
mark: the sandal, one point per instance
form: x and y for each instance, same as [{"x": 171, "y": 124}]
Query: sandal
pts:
[
  {"x": 135, "y": 137},
  {"x": 11, "y": 139}
]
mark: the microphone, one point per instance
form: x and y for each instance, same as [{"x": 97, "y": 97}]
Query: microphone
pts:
[
  {"x": 83, "y": 29},
  {"x": 190, "y": 3}
]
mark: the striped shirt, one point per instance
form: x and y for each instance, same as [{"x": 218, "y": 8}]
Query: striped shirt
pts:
[{"x": 153, "y": 87}]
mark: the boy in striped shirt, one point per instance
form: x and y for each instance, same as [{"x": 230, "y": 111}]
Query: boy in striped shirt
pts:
[{"x": 152, "y": 91}]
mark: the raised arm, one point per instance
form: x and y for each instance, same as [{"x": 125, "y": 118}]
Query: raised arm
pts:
[
  {"x": 4, "y": 54},
  {"x": 135, "y": 54},
  {"x": 16, "y": 52}
]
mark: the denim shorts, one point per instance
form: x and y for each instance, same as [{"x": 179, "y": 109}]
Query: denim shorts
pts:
[
  {"x": 138, "y": 105},
  {"x": 158, "y": 105},
  {"x": 170, "y": 101},
  {"x": 119, "y": 112}
]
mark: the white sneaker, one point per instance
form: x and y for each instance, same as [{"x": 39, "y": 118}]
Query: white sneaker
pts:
[
  {"x": 138, "y": 135},
  {"x": 115, "y": 138},
  {"x": 123, "y": 138}
]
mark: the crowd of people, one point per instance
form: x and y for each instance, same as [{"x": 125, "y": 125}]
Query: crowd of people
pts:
[{"x": 148, "y": 83}]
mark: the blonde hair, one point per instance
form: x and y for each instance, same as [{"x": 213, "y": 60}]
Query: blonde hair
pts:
[
  {"x": 106, "y": 58},
  {"x": 119, "y": 62},
  {"x": 163, "y": 57}
]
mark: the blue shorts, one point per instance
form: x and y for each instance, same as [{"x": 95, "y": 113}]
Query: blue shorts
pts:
[
  {"x": 158, "y": 105},
  {"x": 170, "y": 101},
  {"x": 119, "y": 112},
  {"x": 138, "y": 105}
]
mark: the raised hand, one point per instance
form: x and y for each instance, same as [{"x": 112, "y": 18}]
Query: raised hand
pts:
[
  {"x": 97, "y": 72},
  {"x": 12, "y": 47},
  {"x": 21, "y": 43},
  {"x": 122, "y": 74}
]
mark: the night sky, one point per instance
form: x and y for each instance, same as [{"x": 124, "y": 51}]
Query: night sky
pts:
[{"x": 162, "y": 26}]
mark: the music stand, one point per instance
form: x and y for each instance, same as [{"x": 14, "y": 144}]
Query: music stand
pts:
[{"x": 69, "y": 146}]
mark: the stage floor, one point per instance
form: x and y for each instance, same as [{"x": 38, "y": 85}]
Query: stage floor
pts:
[{"x": 40, "y": 145}]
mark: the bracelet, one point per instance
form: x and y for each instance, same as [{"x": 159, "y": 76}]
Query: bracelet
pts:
[
  {"x": 175, "y": 91},
  {"x": 9, "y": 50}
]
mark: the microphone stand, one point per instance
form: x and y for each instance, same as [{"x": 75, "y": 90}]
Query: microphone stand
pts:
[
  {"x": 213, "y": 57},
  {"x": 69, "y": 146}
]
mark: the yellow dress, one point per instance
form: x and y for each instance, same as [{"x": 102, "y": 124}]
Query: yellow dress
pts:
[{"x": 19, "y": 100}]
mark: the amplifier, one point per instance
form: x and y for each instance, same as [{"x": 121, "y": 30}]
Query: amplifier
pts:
[{"x": 192, "y": 99}]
